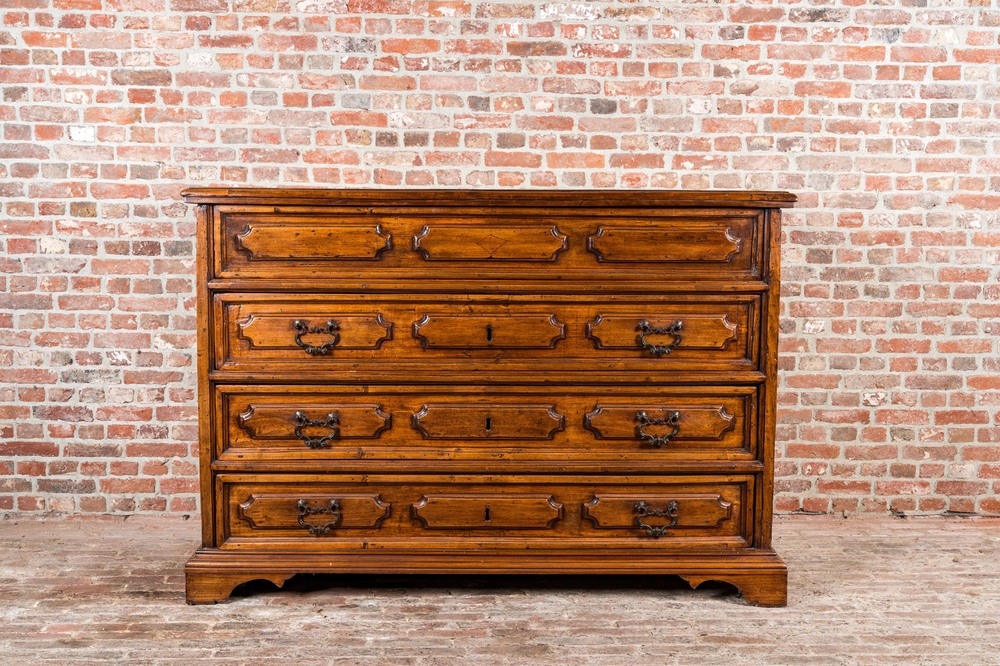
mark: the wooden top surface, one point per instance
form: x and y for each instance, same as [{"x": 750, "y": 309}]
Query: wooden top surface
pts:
[{"x": 522, "y": 198}]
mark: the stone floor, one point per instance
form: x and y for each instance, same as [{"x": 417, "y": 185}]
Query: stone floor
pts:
[{"x": 862, "y": 591}]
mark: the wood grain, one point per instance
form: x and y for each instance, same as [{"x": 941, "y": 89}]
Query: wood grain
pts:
[
  {"x": 667, "y": 244},
  {"x": 530, "y": 335},
  {"x": 547, "y": 425},
  {"x": 501, "y": 242},
  {"x": 540, "y": 511},
  {"x": 446, "y": 381}
]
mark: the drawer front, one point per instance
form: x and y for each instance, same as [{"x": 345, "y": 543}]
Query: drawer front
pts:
[
  {"x": 266, "y": 332},
  {"x": 675, "y": 245},
  {"x": 649, "y": 426},
  {"x": 379, "y": 512}
]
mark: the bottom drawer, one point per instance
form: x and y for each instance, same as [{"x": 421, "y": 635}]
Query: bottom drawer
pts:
[{"x": 405, "y": 512}]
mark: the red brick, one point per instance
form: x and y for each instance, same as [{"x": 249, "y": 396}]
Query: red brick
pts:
[
  {"x": 918, "y": 54},
  {"x": 809, "y": 451},
  {"x": 384, "y": 83},
  {"x": 574, "y": 160},
  {"x": 601, "y": 51},
  {"x": 858, "y": 53},
  {"x": 902, "y": 487},
  {"x": 535, "y": 49},
  {"x": 887, "y": 353},
  {"x": 127, "y": 486},
  {"x": 886, "y": 452},
  {"x": 848, "y": 487},
  {"x": 731, "y": 52},
  {"x": 633, "y": 88},
  {"x": 28, "y": 448},
  {"x": 947, "y": 417},
  {"x": 42, "y": 39},
  {"x": 513, "y": 159},
  {"x": 285, "y": 43},
  {"x": 823, "y": 89},
  {"x": 411, "y": 46},
  {"x": 362, "y": 118},
  {"x": 63, "y": 413},
  {"x": 953, "y": 488}
]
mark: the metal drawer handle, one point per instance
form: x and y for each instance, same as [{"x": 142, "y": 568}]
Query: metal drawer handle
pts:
[
  {"x": 303, "y": 421},
  {"x": 674, "y": 330},
  {"x": 332, "y": 508},
  {"x": 303, "y": 328},
  {"x": 672, "y": 419},
  {"x": 656, "y": 531}
]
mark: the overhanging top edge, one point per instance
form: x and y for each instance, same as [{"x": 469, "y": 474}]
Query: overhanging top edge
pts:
[{"x": 460, "y": 197}]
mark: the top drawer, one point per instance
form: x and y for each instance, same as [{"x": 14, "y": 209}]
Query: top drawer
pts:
[{"x": 596, "y": 245}]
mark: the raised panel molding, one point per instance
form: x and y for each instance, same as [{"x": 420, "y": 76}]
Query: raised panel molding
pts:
[
  {"x": 264, "y": 240},
  {"x": 277, "y": 422},
  {"x": 500, "y": 331},
  {"x": 531, "y": 243},
  {"x": 703, "y": 332},
  {"x": 277, "y": 511},
  {"x": 266, "y": 331},
  {"x": 619, "y": 244},
  {"x": 505, "y": 421},
  {"x": 475, "y": 511},
  {"x": 612, "y": 511},
  {"x": 697, "y": 422}
]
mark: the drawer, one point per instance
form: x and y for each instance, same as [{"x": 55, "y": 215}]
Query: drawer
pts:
[
  {"x": 646, "y": 426},
  {"x": 676, "y": 245},
  {"x": 408, "y": 512},
  {"x": 438, "y": 337}
]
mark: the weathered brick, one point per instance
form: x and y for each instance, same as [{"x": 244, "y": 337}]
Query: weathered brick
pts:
[
  {"x": 139, "y": 77},
  {"x": 532, "y": 49},
  {"x": 410, "y": 46},
  {"x": 876, "y": 117}
]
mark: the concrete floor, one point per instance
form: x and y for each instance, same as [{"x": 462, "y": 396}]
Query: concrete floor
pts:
[{"x": 862, "y": 591}]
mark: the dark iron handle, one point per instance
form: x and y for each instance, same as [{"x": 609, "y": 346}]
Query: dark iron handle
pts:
[
  {"x": 303, "y": 328},
  {"x": 674, "y": 330},
  {"x": 303, "y": 421},
  {"x": 332, "y": 508},
  {"x": 656, "y": 531},
  {"x": 672, "y": 419}
]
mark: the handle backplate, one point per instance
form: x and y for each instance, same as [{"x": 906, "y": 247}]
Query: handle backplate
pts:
[
  {"x": 674, "y": 330},
  {"x": 643, "y": 510},
  {"x": 302, "y": 421},
  {"x": 673, "y": 420},
  {"x": 331, "y": 328},
  {"x": 331, "y": 507}
]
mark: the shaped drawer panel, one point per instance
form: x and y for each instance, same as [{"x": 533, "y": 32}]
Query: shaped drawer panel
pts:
[
  {"x": 648, "y": 428},
  {"x": 399, "y": 338},
  {"x": 450, "y": 511},
  {"x": 382, "y": 512},
  {"x": 317, "y": 243}
]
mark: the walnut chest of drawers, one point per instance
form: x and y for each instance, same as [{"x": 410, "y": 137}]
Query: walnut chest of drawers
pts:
[{"x": 451, "y": 381}]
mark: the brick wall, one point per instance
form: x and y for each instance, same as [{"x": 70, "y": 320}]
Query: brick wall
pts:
[{"x": 883, "y": 117}]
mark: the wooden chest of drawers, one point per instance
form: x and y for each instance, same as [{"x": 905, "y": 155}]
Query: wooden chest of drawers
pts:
[{"x": 474, "y": 381}]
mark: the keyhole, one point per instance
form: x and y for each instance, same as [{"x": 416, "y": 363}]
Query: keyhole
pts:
[
  {"x": 489, "y": 333},
  {"x": 489, "y": 424},
  {"x": 487, "y": 516}
]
